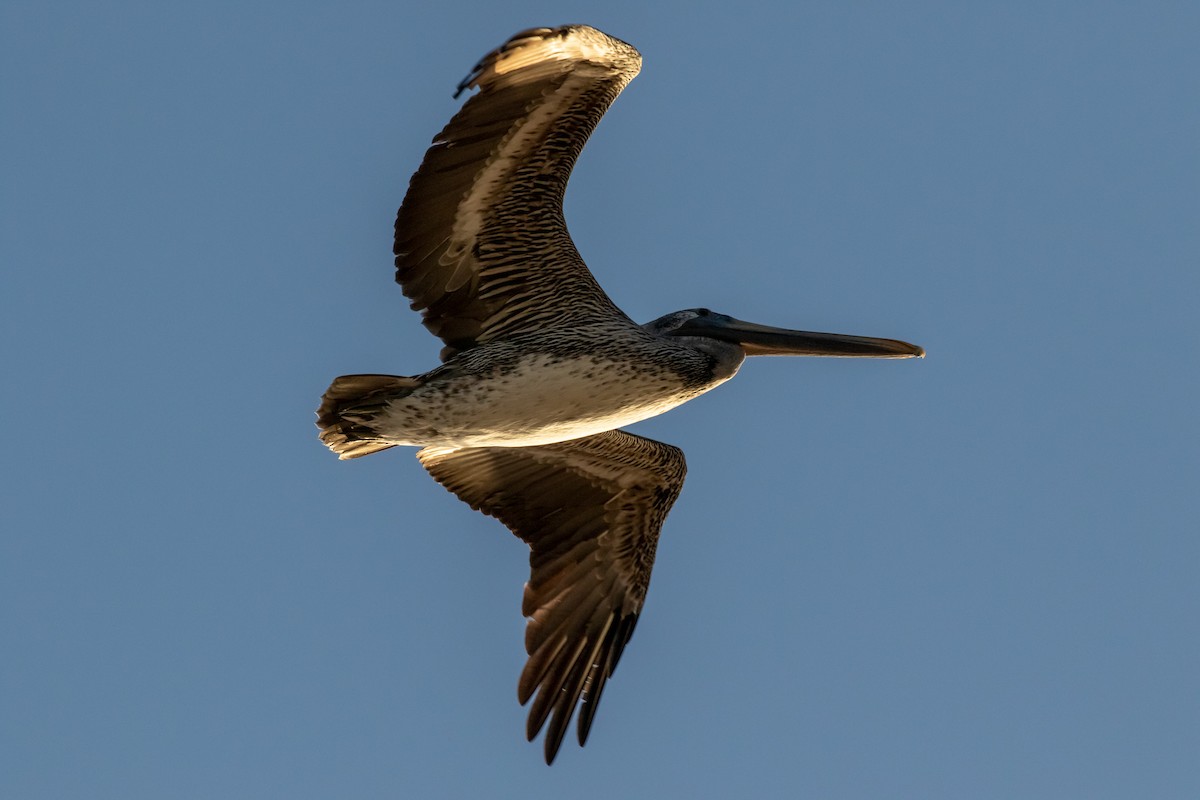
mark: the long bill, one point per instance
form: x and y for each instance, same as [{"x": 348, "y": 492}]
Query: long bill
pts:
[{"x": 763, "y": 340}]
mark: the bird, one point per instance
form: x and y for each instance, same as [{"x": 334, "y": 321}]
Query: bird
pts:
[{"x": 540, "y": 370}]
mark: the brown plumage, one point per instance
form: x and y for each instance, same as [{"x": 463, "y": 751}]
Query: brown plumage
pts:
[
  {"x": 591, "y": 510},
  {"x": 540, "y": 368},
  {"x": 482, "y": 249}
]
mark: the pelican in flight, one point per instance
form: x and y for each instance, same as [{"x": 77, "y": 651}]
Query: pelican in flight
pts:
[{"x": 540, "y": 369}]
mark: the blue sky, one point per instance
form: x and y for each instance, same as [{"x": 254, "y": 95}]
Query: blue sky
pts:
[{"x": 970, "y": 576}]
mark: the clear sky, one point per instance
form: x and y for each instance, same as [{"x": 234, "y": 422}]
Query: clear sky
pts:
[{"x": 973, "y": 576}]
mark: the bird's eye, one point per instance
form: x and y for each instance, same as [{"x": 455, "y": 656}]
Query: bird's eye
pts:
[{"x": 702, "y": 312}]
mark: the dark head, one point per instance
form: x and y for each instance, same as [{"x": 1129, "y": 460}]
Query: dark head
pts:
[{"x": 702, "y": 325}]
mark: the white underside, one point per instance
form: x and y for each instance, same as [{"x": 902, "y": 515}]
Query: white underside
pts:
[{"x": 543, "y": 401}]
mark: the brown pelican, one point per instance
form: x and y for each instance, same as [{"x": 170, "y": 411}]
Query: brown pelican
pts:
[{"x": 540, "y": 368}]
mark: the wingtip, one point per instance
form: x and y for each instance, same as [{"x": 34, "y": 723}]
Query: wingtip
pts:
[{"x": 589, "y": 42}]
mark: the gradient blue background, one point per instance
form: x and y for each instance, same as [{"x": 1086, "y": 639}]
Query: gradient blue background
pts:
[{"x": 970, "y": 576}]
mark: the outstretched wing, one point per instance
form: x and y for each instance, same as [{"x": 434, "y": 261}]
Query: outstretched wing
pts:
[
  {"x": 481, "y": 245},
  {"x": 591, "y": 510}
]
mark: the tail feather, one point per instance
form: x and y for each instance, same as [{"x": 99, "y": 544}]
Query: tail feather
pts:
[{"x": 358, "y": 397}]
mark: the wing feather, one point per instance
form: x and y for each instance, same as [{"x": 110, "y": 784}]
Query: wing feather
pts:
[
  {"x": 591, "y": 510},
  {"x": 481, "y": 246}
]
